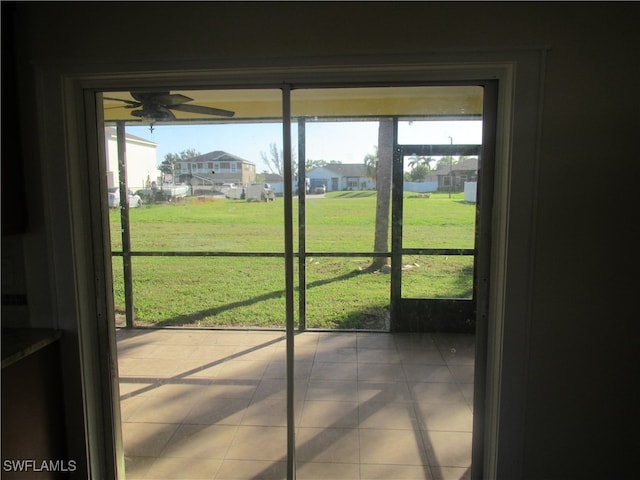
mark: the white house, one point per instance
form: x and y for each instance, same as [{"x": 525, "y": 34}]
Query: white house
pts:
[
  {"x": 341, "y": 176},
  {"x": 141, "y": 160}
]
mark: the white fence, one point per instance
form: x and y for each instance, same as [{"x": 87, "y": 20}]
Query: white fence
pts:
[
  {"x": 420, "y": 187},
  {"x": 470, "y": 189}
]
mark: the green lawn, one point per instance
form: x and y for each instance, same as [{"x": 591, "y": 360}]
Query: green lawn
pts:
[{"x": 249, "y": 291}]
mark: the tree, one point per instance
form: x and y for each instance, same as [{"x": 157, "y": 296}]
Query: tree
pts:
[
  {"x": 167, "y": 167},
  {"x": 418, "y": 173},
  {"x": 416, "y": 160},
  {"x": 420, "y": 168},
  {"x": 383, "y": 170},
  {"x": 261, "y": 177},
  {"x": 371, "y": 162},
  {"x": 311, "y": 164},
  {"x": 446, "y": 162},
  {"x": 275, "y": 162},
  {"x": 170, "y": 159}
]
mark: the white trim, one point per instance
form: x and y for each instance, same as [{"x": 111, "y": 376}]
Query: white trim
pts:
[{"x": 518, "y": 73}]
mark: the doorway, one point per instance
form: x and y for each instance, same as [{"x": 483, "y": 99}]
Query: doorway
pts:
[
  {"x": 306, "y": 255},
  {"x": 440, "y": 232}
]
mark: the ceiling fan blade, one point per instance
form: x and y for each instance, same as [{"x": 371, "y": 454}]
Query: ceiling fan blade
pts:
[
  {"x": 130, "y": 103},
  {"x": 203, "y": 110},
  {"x": 161, "y": 98}
]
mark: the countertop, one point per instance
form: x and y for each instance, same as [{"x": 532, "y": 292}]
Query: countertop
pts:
[{"x": 18, "y": 343}]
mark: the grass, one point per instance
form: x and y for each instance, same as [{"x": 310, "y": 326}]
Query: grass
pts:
[{"x": 249, "y": 291}]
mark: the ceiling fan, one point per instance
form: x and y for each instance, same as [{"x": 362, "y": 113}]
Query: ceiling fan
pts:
[{"x": 155, "y": 107}]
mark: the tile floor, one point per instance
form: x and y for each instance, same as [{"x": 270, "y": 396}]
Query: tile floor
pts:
[{"x": 203, "y": 404}]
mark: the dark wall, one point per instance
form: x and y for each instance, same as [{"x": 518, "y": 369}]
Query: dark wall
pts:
[
  {"x": 582, "y": 332},
  {"x": 33, "y": 416},
  {"x": 14, "y": 212}
]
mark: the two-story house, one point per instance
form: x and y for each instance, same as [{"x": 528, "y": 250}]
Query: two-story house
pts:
[{"x": 214, "y": 169}]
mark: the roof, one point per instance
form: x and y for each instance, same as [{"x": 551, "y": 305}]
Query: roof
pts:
[
  {"x": 468, "y": 164},
  {"x": 272, "y": 178},
  {"x": 216, "y": 156},
  {"x": 347, "y": 169}
]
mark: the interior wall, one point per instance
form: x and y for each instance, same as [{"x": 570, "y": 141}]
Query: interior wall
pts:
[{"x": 580, "y": 342}]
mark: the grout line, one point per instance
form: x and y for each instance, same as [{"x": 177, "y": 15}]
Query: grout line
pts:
[{"x": 411, "y": 405}]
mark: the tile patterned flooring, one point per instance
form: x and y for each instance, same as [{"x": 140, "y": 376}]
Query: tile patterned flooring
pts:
[{"x": 206, "y": 404}]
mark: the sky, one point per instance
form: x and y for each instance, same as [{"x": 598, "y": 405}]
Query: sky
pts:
[{"x": 346, "y": 142}]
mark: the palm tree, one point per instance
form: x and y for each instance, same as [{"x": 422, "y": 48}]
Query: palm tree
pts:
[
  {"x": 417, "y": 173},
  {"x": 371, "y": 162},
  {"x": 418, "y": 160}
]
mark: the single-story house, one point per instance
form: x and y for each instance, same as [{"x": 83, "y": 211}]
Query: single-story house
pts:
[
  {"x": 214, "y": 169},
  {"x": 276, "y": 182},
  {"x": 341, "y": 176},
  {"x": 141, "y": 160},
  {"x": 464, "y": 171}
]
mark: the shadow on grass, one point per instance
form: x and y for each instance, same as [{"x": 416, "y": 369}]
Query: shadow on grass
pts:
[
  {"x": 354, "y": 194},
  {"x": 374, "y": 318},
  {"x": 195, "y": 317},
  {"x": 462, "y": 278}
]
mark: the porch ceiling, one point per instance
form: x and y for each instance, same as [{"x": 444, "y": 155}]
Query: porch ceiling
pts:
[{"x": 438, "y": 101}]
